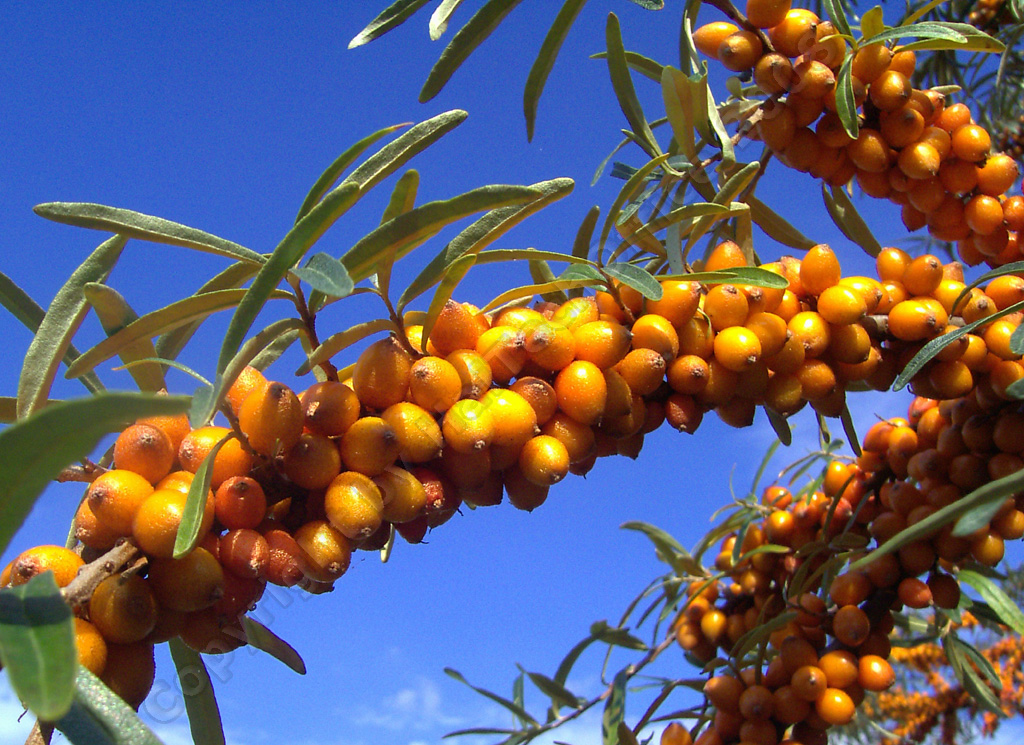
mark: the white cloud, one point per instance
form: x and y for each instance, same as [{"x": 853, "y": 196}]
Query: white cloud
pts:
[{"x": 414, "y": 708}]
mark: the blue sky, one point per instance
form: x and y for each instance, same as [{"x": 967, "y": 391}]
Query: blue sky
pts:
[{"x": 221, "y": 116}]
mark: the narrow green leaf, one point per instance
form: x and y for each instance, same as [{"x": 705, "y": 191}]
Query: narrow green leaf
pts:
[
  {"x": 848, "y": 220},
  {"x": 98, "y": 716},
  {"x": 468, "y": 38},
  {"x": 59, "y": 324},
  {"x": 516, "y": 710},
  {"x": 260, "y": 637},
  {"x": 629, "y": 191},
  {"x": 777, "y": 227},
  {"x": 440, "y": 17},
  {"x": 545, "y": 60},
  {"x": 585, "y": 234},
  {"x": 714, "y": 119},
  {"x": 519, "y": 693},
  {"x": 639, "y": 279},
  {"x": 1017, "y": 341},
  {"x": 780, "y": 425},
  {"x": 559, "y": 694},
  {"x": 967, "y": 677},
  {"x": 541, "y": 273},
  {"x": 846, "y": 104},
  {"x": 273, "y": 351},
  {"x": 616, "y": 637},
  {"x": 921, "y": 12},
  {"x": 202, "y": 411},
  {"x": 28, "y": 311},
  {"x": 559, "y": 285},
  {"x": 157, "y": 322},
  {"x": 496, "y": 255},
  {"x": 625, "y": 734},
  {"x": 481, "y": 233},
  {"x": 197, "y": 689},
  {"x": 871, "y": 23},
  {"x": 837, "y": 14},
  {"x": 582, "y": 271},
  {"x": 131, "y": 224},
  {"x": 981, "y": 662},
  {"x": 399, "y": 151},
  {"x": 170, "y": 344},
  {"x": 675, "y": 92},
  {"x": 731, "y": 189},
  {"x": 996, "y": 598},
  {"x": 343, "y": 339},
  {"x": 195, "y": 503},
  {"x": 950, "y": 35},
  {"x": 35, "y": 449},
  {"x": 933, "y": 347},
  {"x": 614, "y": 710},
  {"x": 169, "y": 363},
  {"x": 622, "y": 83},
  {"x": 37, "y": 646},
  {"x": 567, "y": 663},
  {"x": 644, "y": 65},
  {"x": 391, "y": 17},
  {"x": 403, "y": 199},
  {"x": 457, "y": 270},
  {"x": 667, "y": 548},
  {"x": 326, "y": 274},
  {"x": 114, "y": 314},
  {"x": 411, "y": 229},
  {"x": 343, "y": 161},
  {"x": 289, "y": 251},
  {"x": 992, "y": 491},
  {"x": 687, "y": 212},
  {"x": 850, "y": 429}
]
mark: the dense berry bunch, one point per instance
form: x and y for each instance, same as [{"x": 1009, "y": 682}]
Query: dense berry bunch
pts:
[
  {"x": 829, "y": 625},
  {"x": 930, "y": 158},
  {"x": 511, "y": 402}
]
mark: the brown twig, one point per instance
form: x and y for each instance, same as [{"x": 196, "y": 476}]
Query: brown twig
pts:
[
  {"x": 40, "y": 734},
  {"x": 82, "y": 586}
]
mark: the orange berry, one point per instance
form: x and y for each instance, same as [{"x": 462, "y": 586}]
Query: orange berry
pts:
[
  {"x": 819, "y": 270},
  {"x": 114, "y": 498},
  {"x": 146, "y": 450},
  {"x": 997, "y": 175},
  {"x": 740, "y": 50},
  {"x": 63, "y": 562},
  {"x": 890, "y": 90},
  {"x": 354, "y": 505},
  {"x": 417, "y": 433},
  {"x": 651, "y": 331},
  {"x": 90, "y": 531},
  {"x": 240, "y": 503},
  {"x": 544, "y": 460},
  {"x": 123, "y": 608},
  {"x": 369, "y": 446},
  {"x": 382, "y": 373},
  {"x": 329, "y": 551},
  {"x": 971, "y": 142},
  {"x": 725, "y": 306},
  {"x": 840, "y": 668},
  {"x": 155, "y": 527},
  {"x": 91, "y": 647},
  {"x": 983, "y": 214},
  {"x": 130, "y": 671},
  {"x": 835, "y": 707},
  {"x": 709, "y": 37},
  {"x": 468, "y": 426},
  {"x": 231, "y": 460},
  {"x": 795, "y": 33},
  {"x": 473, "y": 370},
  {"x": 515, "y": 421},
  {"x": 809, "y": 683},
  {"x": 456, "y": 328},
  {"x": 434, "y": 384},
  {"x": 248, "y": 381},
  {"x": 919, "y": 160},
  {"x": 329, "y": 408},
  {"x": 642, "y": 369},
  {"x": 737, "y": 348},
  {"x": 870, "y": 62},
  {"x": 313, "y": 462},
  {"x": 523, "y": 494},
  {"x": 851, "y": 625},
  {"x": 579, "y": 310}
]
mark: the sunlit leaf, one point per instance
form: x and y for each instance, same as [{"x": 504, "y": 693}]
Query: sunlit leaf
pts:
[
  {"x": 391, "y": 17},
  {"x": 37, "y": 646},
  {"x": 846, "y": 104},
  {"x": 34, "y": 450},
  {"x": 968, "y": 677},
  {"x": 541, "y": 273},
  {"x": 528, "y": 254},
  {"x": 545, "y": 60},
  {"x": 940, "y": 35},
  {"x": 629, "y": 191},
  {"x": 157, "y": 322},
  {"x": 114, "y": 314},
  {"x": 197, "y": 691},
  {"x": 59, "y": 324},
  {"x": 260, "y": 637},
  {"x": 98, "y": 716},
  {"x": 837, "y": 15},
  {"x": 343, "y": 161},
  {"x": 559, "y": 285},
  {"x": 622, "y": 83},
  {"x": 667, "y": 548},
  {"x": 637, "y": 278},
  {"x": 132, "y": 224},
  {"x": 412, "y": 228},
  {"x": 481, "y": 233},
  {"x": 650, "y": 4},
  {"x": 326, "y": 274},
  {"x": 440, "y": 17},
  {"x": 468, "y": 38},
  {"x": 403, "y": 148},
  {"x": 559, "y": 694}
]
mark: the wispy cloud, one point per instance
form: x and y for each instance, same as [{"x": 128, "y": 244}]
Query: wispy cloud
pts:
[{"x": 415, "y": 708}]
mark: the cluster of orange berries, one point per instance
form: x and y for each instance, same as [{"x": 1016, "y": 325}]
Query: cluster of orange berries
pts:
[
  {"x": 931, "y": 159},
  {"x": 491, "y": 404},
  {"x": 834, "y": 645},
  {"x": 988, "y": 15}
]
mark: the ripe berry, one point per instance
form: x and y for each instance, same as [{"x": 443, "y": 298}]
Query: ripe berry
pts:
[
  {"x": 123, "y": 608},
  {"x": 146, "y": 450}
]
